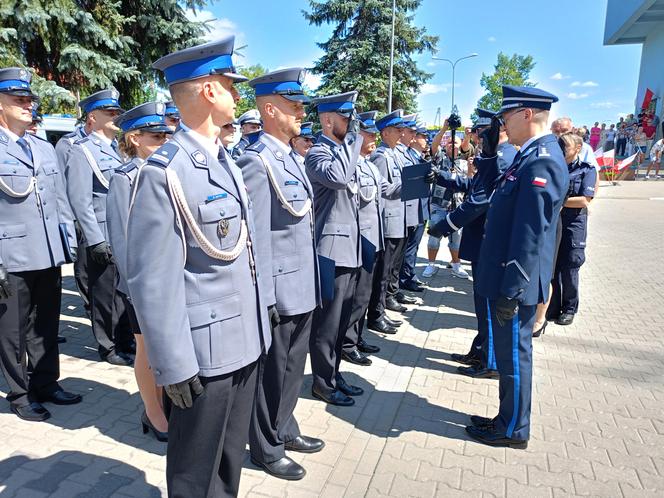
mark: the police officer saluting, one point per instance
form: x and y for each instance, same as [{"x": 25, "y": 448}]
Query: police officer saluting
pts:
[
  {"x": 331, "y": 166},
  {"x": 36, "y": 237},
  {"x": 282, "y": 200},
  {"x": 193, "y": 281},
  {"x": 91, "y": 163},
  {"x": 516, "y": 257}
]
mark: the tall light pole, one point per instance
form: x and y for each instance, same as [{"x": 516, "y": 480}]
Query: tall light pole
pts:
[
  {"x": 453, "y": 70},
  {"x": 389, "y": 88}
]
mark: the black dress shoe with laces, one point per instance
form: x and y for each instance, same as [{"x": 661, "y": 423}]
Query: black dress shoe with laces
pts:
[
  {"x": 334, "y": 398},
  {"x": 284, "y": 468},
  {"x": 404, "y": 299},
  {"x": 382, "y": 327},
  {"x": 478, "y": 372},
  {"x": 488, "y": 435},
  {"x": 347, "y": 389},
  {"x": 356, "y": 357},
  {"x": 367, "y": 348},
  {"x": 120, "y": 359},
  {"x": 391, "y": 322},
  {"x": 60, "y": 397},
  {"x": 32, "y": 412},
  {"x": 305, "y": 444},
  {"x": 478, "y": 421},
  {"x": 466, "y": 359},
  {"x": 393, "y": 305},
  {"x": 565, "y": 319}
]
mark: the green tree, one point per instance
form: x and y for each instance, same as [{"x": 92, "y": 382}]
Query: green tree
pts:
[
  {"x": 76, "y": 47},
  {"x": 514, "y": 70},
  {"x": 248, "y": 97},
  {"x": 357, "y": 55}
]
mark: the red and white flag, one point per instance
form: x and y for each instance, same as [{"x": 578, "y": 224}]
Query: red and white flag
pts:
[
  {"x": 625, "y": 162},
  {"x": 599, "y": 153},
  {"x": 539, "y": 182},
  {"x": 607, "y": 160}
]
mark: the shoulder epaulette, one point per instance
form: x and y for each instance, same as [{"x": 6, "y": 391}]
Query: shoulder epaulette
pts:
[
  {"x": 82, "y": 140},
  {"x": 4, "y": 139},
  {"x": 542, "y": 151},
  {"x": 164, "y": 154},
  {"x": 256, "y": 147},
  {"x": 127, "y": 167},
  {"x": 41, "y": 138}
]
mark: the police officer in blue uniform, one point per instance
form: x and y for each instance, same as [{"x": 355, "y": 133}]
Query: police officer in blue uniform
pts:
[
  {"x": 282, "y": 198},
  {"x": 36, "y": 237},
  {"x": 250, "y": 124},
  {"x": 331, "y": 165},
  {"x": 470, "y": 215},
  {"x": 194, "y": 280},
  {"x": 516, "y": 255},
  {"x": 90, "y": 164},
  {"x": 172, "y": 114},
  {"x": 303, "y": 142},
  {"x": 574, "y": 218}
]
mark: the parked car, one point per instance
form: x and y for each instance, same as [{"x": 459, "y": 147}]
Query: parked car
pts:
[{"x": 53, "y": 127}]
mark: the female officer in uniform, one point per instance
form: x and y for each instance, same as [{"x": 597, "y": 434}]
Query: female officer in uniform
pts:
[{"x": 574, "y": 220}]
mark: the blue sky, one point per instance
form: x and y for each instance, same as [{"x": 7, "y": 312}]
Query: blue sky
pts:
[{"x": 594, "y": 82}]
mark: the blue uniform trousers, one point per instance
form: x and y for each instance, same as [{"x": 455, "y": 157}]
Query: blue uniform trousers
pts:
[
  {"x": 514, "y": 353},
  {"x": 407, "y": 272},
  {"x": 482, "y": 346}
]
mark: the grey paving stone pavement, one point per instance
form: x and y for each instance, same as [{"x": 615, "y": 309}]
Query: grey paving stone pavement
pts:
[{"x": 597, "y": 414}]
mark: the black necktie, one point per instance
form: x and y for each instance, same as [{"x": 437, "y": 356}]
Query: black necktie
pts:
[{"x": 23, "y": 144}]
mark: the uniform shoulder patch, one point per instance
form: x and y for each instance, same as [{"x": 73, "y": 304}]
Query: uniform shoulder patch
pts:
[
  {"x": 255, "y": 147},
  {"x": 82, "y": 140},
  {"x": 164, "y": 154},
  {"x": 127, "y": 167},
  {"x": 542, "y": 151}
]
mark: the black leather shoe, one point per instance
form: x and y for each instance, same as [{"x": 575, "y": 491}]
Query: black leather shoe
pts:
[
  {"x": 33, "y": 412},
  {"x": 120, "y": 359},
  {"x": 488, "y": 435},
  {"x": 417, "y": 281},
  {"x": 356, "y": 357},
  {"x": 565, "y": 319},
  {"x": 391, "y": 322},
  {"x": 367, "y": 348},
  {"x": 61, "y": 339},
  {"x": 284, "y": 468},
  {"x": 347, "y": 389},
  {"x": 404, "y": 299},
  {"x": 478, "y": 421},
  {"x": 411, "y": 286},
  {"x": 60, "y": 397},
  {"x": 147, "y": 426},
  {"x": 382, "y": 327},
  {"x": 334, "y": 398},
  {"x": 466, "y": 359},
  {"x": 393, "y": 305},
  {"x": 305, "y": 444},
  {"x": 478, "y": 372},
  {"x": 541, "y": 330}
]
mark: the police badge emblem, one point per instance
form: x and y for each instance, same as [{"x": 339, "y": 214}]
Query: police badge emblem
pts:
[{"x": 222, "y": 228}]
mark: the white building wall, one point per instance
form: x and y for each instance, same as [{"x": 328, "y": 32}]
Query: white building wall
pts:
[{"x": 652, "y": 70}]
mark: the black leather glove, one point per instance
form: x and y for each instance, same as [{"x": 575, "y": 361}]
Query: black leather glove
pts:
[
  {"x": 183, "y": 393},
  {"x": 431, "y": 176},
  {"x": 506, "y": 309},
  {"x": 353, "y": 123},
  {"x": 101, "y": 253},
  {"x": 5, "y": 289},
  {"x": 490, "y": 138},
  {"x": 275, "y": 319}
]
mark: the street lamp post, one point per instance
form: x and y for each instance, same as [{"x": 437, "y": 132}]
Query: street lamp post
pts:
[{"x": 453, "y": 70}]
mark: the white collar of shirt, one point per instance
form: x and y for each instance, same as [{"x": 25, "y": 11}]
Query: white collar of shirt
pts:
[
  {"x": 530, "y": 141},
  {"x": 10, "y": 134},
  {"x": 212, "y": 146},
  {"x": 284, "y": 148},
  {"x": 102, "y": 137}
]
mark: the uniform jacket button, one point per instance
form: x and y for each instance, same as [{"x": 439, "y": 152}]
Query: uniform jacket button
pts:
[
  {"x": 502, "y": 264},
  {"x": 213, "y": 315},
  {"x": 157, "y": 372},
  {"x": 222, "y": 212}
]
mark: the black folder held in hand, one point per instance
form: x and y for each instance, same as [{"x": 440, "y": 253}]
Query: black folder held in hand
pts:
[{"x": 413, "y": 185}]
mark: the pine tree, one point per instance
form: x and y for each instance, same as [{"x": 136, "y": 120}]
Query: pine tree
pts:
[
  {"x": 357, "y": 55},
  {"x": 514, "y": 70},
  {"x": 76, "y": 47}
]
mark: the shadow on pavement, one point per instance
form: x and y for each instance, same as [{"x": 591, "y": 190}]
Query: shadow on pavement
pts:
[{"x": 73, "y": 474}]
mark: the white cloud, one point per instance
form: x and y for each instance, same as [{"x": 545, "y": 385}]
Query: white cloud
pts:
[
  {"x": 604, "y": 105},
  {"x": 577, "y": 96},
  {"x": 218, "y": 28},
  {"x": 434, "y": 88},
  {"x": 585, "y": 84},
  {"x": 431, "y": 64},
  {"x": 559, "y": 76},
  {"x": 312, "y": 81},
  {"x": 491, "y": 39}
]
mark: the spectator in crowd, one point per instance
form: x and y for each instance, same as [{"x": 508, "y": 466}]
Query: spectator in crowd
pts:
[
  {"x": 641, "y": 142},
  {"x": 621, "y": 139},
  {"x": 656, "y": 156},
  {"x": 602, "y": 136},
  {"x": 610, "y": 139},
  {"x": 565, "y": 125},
  {"x": 595, "y": 135}
]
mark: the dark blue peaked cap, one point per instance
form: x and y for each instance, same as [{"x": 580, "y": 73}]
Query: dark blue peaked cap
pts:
[
  {"x": 202, "y": 60},
  {"x": 392, "y": 119},
  {"x": 306, "y": 130},
  {"x": 171, "y": 109},
  {"x": 515, "y": 97},
  {"x": 343, "y": 103},
  {"x": 484, "y": 118},
  {"x": 409, "y": 121},
  {"x": 145, "y": 117},
  {"x": 103, "y": 99},
  {"x": 284, "y": 82},
  {"x": 368, "y": 121},
  {"x": 16, "y": 81}
]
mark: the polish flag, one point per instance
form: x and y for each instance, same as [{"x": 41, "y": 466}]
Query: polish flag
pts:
[
  {"x": 607, "y": 160},
  {"x": 625, "y": 162},
  {"x": 539, "y": 182},
  {"x": 599, "y": 153}
]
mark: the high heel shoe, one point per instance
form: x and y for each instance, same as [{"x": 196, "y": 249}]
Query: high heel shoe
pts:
[
  {"x": 148, "y": 427},
  {"x": 541, "y": 330}
]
